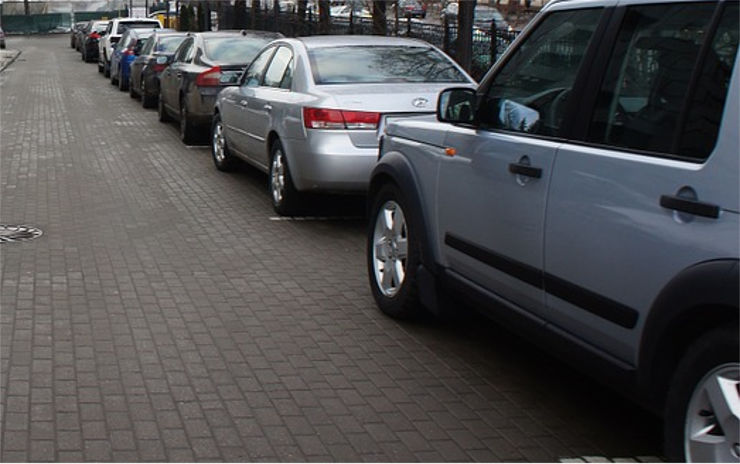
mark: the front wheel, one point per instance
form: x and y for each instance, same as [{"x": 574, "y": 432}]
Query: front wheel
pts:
[
  {"x": 702, "y": 415},
  {"x": 285, "y": 198},
  {"x": 393, "y": 254},
  {"x": 222, "y": 158}
]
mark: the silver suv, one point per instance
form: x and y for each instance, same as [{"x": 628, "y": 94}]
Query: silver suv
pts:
[{"x": 586, "y": 195}]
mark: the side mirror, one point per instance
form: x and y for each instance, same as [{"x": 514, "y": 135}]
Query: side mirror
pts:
[{"x": 457, "y": 106}]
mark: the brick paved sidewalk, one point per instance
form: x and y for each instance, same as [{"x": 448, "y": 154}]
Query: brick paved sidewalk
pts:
[{"x": 163, "y": 316}]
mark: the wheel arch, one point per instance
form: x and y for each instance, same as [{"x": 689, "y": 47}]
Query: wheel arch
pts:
[{"x": 700, "y": 298}]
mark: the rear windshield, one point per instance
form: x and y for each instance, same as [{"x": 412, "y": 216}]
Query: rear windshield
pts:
[
  {"x": 100, "y": 27},
  {"x": 382, "y": 64},
  {"x": 234, "y": 50},
  {"x": 169, "y": 44},
  {"x": 123, "y": 27}
]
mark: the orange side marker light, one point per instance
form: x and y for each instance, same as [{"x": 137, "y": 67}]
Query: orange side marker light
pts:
[{"x": 450, "y": 152}]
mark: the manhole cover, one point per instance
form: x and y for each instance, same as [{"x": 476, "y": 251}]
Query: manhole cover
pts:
[{"x": 18, "y": 233}]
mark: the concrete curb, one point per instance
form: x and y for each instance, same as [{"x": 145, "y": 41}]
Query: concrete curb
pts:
[{"x": 10, "y": 61}]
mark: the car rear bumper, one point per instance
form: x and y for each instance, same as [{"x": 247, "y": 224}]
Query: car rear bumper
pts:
[{"x": 328, "y": 161}]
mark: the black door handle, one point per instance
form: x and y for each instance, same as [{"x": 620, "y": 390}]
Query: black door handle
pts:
[
  {"x": 525, "y": 170},
  {"x": 697, "y": 208}
]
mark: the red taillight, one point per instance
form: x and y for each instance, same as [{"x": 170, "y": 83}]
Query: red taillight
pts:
[
  {"x": 321, "y": 118},
  {"x": 209, "y": 78},
  {"x": 129, "y": 51},
  {"x": 158, "y": 67},
  {"x": 94, "y": 35}
]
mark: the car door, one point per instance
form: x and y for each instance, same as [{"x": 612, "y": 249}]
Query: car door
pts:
[
  {"x": 618, "y": 227},
  {"x": 491, "y": 194},
  {"x": 238, "y": 119},
  {"x": 141, "y": 60},
  {"x": 169, "y": 79},
  {"x": 269, "y": 99}
]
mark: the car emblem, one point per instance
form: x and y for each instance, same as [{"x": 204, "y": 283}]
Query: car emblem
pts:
[{"x": 420, "y": 102}]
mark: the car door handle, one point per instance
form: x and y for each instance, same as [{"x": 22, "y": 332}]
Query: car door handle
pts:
[
  {"x": 685, "y": 205},
  {"x": 525, "y": 170},
  {"x": 267, "y": 108}
]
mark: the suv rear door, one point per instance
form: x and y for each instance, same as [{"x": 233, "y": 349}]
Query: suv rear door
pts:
[
  {"x": 615, "y": 230},
  {"x": 492, "y": 194}
]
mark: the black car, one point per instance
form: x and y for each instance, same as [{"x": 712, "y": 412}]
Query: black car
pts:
[
  {"x": 155, "y": 56},
  {"x": 89, "y": 41},
  {"x": 78, "y": 26},
  {"x": 203, "y": 64}
]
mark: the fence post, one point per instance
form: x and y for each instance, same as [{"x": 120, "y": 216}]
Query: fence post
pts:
[
  {"x": 446, "y": 34},
  {"x": 408, "y": 24},
  {"x": 494, "y": 44}
]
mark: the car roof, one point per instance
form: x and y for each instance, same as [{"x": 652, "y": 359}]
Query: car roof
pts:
[
  {"x": 234, "y": 33},
  {"x": 321, "y": 41}
]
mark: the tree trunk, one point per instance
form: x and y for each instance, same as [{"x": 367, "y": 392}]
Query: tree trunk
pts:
[
  {"x": 255, "y": 12},
  {"x": 302, "y": 17},
  {"x": 464, "y": 52},
  {"x": 380, "y": 26},
  {"x": 324, "y": 18},
  {"x": 240, "y": 15}
]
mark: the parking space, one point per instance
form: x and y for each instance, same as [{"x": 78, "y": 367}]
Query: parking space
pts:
[{"x": 167, "y": 314}]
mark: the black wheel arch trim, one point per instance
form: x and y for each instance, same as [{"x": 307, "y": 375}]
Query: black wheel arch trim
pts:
[
  {"x": 394, "y": 167},
  {"x": 712, "y": 287}
]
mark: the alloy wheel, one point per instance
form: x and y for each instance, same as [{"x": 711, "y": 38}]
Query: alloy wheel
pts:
[
  {"x": 277, "y": 177},
  {"x": 390, "y": 248},
  {"x": 218, "y": 142},
  {"x": 712, "y": 427}
]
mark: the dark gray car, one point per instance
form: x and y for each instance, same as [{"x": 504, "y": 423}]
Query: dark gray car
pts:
[
  {"x": 205, "y": 63},
  {"x": 147, "y": 68}
]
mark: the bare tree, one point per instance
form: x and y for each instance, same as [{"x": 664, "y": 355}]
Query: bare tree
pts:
[
  {"x": 255, "y": 13},
  {"x": 380, "y": 26},
  {"x": 302, "y": 17},
  {"x": 464, "y": 52},
  {"x": 324, "y": 17}
]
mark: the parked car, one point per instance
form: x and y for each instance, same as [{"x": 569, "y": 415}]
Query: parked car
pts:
[
  {"x": 483, "y": 17},
  {"x": 2, "y": 39},
  {"x": 586, "y": 196},
  {"x": 116, "y": 28},
  {"x": 205, "y": 63},
  {"x": 124, "y": 53},
  {"x": 90, "y": 39},
  {"x": 412, "y": 8},
  {"x": 308, "y": 111},
  {"x": 148, "y": 66},
  {"x": 73, "y": 32}
]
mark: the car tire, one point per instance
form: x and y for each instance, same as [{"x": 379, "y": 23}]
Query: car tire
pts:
[
  {"x": 393, "y": 254},
  {"x": 113, "y": 77},
  {"x": 285, "y": 198},
  {"x": 100, "y": 67},
  {"x": 162, "y": 112},
  {"x": 148, "y": 101},
  {"x": 106, "y": 70},
  {"x": 131, "y": 91},
  {"x": 693, "y": 428},
  {"x": 222, "y": 157},
  {"x": 187, "y": 131}
]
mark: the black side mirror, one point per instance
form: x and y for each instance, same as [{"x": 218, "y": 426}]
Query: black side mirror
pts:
[{"x": 457, "y": 106}]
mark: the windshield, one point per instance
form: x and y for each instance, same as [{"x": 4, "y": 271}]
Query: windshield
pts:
[
  {"x": 235, "y": 50},
  {"x": 169, "y": 44},
  {"x": 382, "y": 64}
]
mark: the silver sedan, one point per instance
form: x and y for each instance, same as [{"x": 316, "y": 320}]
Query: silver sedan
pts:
[{"x": 309, "y": 111}]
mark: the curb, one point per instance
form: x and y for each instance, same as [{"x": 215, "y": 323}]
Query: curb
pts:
[{"x": 11, "y": 61}]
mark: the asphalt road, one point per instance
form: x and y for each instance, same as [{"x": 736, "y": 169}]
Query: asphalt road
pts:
[{"x": 165, "y": 315}]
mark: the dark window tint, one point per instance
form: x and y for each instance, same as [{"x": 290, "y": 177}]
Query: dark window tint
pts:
[
  {"x": 100, "y": 27},
  {"x": 368, "y": 64},
  {"x": 168, "y": 44},
  {"x": 184, "y": 50},
  {"x": 147, "y": 48},
  {"x": 253, "y": 75},
  {"x": 123, "y": 27},
  {"x": 278, "y": 66},
  {"x": 234, "y": 50},
  {"x": 648, "y": 76},
  {"x": 530, "y": 93},
  {"x": 699, "y": 135}
]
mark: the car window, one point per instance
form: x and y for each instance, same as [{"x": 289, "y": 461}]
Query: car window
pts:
[
  {"x": 169, "y": 44},
  {"x": 234, "y": 50},
  {"x": 647, "y": 79},
  {"x": 124, "y": 26},
  {"x": 147, "y": 48},
  {"x": 529, "y": 94},
  {"x": 278, "y": 67},
  {"x": 184, "y": 50},
  {"x": 253, "y": 74},
  {"x": 699, "y": 135},
  {"x": 382, "y": 64}
]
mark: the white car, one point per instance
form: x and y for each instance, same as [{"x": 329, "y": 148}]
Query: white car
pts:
[{"x": 116, "y": 28}]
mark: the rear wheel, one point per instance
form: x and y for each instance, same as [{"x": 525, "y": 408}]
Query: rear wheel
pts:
[
  {"x": 187, "y": 131},
  {"x": 162, "y": 112},
  {"x": 106, "y": 68},
  {"x": 393, "y": 255},
  {"x": 122, "y": 83},
  {"x": 702, "y": 418},
  {"x": 100, "y": 67},
  {"x": 285, "y": 198}
]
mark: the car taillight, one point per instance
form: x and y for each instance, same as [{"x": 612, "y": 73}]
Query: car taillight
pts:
[
  {"x": 209, "y": 78},
  {"x": 94, "y": 35},
  {"x": 129, "y": 51},
  {"x": 322, "y": 118}
]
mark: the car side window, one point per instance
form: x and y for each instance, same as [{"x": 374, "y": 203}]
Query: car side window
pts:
[
  {"x": 279, "y": 66},
  {"x": 184, "y": 50},
  {"x": 147, "y": 49},
  {"x": 253, "y": 74},
  {"x": 647, "y": 79},
  {"x": 530, "y": 93}
]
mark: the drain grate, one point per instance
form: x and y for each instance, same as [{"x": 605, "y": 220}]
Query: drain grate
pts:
[{"x": 9, "y": 233}]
